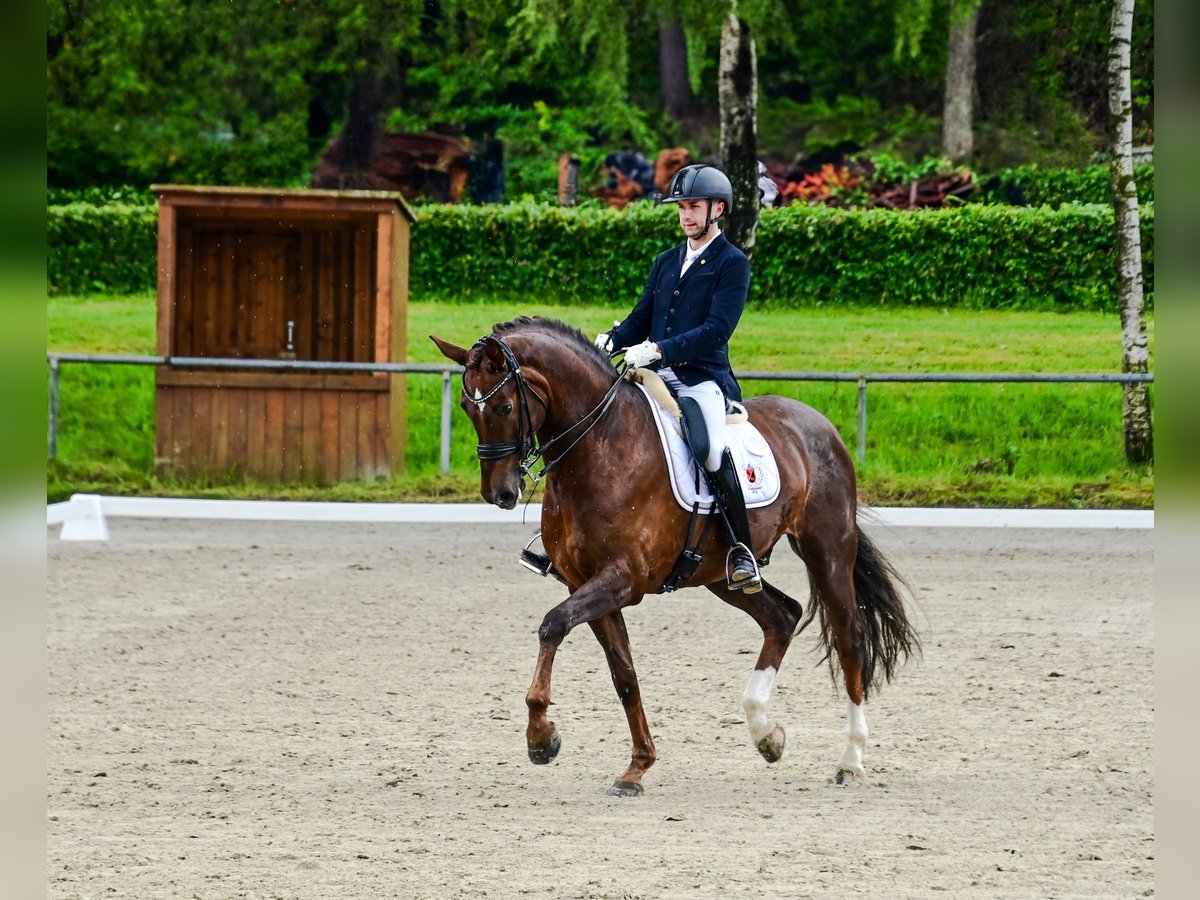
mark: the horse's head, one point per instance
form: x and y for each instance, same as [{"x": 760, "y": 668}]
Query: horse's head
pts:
[{"x": 496, "y": 397}]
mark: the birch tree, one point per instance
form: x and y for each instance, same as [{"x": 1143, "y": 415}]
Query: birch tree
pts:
[
  {"x": 1135, "y": 405},
  {"x": 958, "y": 121},
  {"x": 737, "y": 91}
]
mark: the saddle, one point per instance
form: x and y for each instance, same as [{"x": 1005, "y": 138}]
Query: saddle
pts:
[{"x": 684, "y": 439}]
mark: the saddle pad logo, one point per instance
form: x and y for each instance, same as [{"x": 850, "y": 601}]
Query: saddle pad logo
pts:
[{"x": 751, "y": 474}]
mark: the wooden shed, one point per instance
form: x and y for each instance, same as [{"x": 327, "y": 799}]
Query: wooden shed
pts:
[{"x": 264, "y": 274}]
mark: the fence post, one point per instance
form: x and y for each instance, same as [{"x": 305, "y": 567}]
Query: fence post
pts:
[
  {"x": 861, "y": 448},
  {"x": 52, "y": 425},
  {"x": 445, "y": 423}
]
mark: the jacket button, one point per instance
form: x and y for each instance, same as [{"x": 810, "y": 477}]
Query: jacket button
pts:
[
  {"x": 676, "y": 293},
  {"x": 671, "y": 310},
  {"x": 668, "y": 331}
]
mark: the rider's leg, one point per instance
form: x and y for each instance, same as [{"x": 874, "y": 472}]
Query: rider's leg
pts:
[
  {"x": 743, "y": 570},
  {"x": 711, "y": 400}
]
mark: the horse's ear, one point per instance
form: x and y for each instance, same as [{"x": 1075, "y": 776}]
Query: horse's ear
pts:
[
  {"x": 495, "y": 356},
  {"x": 451, "y": 351}
]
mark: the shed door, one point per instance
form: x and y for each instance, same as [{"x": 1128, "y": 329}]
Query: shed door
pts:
[{"x": 243, "y": 295}]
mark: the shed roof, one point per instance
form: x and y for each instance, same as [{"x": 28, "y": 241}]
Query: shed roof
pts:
[{"x": 280, "y": 198}]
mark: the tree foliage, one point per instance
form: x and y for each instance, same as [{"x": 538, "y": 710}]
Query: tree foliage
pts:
[{"x": 251, "y": 91}]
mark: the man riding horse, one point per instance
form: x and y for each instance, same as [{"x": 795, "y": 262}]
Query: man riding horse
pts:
[{"x": 681, "y": 328}]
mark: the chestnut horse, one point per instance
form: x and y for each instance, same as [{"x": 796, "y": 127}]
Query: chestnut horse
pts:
[{"x": 536, "y": 388}]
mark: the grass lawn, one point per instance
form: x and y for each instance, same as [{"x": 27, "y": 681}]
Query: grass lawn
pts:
[{"x": 1037, "y": 445}]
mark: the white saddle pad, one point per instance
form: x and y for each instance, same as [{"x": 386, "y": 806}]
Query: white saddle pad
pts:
[{"x": 757, "y": 469}]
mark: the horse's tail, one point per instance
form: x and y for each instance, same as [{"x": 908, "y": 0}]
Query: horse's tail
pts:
[{"x": 888, "y": 638}]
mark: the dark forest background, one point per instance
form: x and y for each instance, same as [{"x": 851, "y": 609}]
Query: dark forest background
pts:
[{"x": 252, "y": 92}]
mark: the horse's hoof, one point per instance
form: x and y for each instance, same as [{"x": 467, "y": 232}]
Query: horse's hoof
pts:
[
  {"x": 625, "y": 789},
  {"x": 541, "y": 754},
  {"x": 849, "y": 775},
  {"x": 771, "y": 747}
]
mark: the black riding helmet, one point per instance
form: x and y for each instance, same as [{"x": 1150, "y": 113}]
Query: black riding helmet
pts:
[{"x": 700, "y": 182}]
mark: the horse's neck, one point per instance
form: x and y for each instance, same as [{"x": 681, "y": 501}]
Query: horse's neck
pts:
[
  {"x": 572, "y": 398},
  {"x": 610, "y": 429}
]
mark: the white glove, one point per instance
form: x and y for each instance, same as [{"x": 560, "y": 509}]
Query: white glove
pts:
[
  {"x": 604, "y": 338},
  {"x": 642, "y": 354}
]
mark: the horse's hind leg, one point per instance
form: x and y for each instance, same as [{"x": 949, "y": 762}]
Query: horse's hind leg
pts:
[
  {"x": 610, "y": 631},
  {"x": 830, "y": 562},
  {"x": 777, "y": 615}
]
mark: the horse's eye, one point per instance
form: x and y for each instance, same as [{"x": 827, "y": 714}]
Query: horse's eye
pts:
[{"x": 506, "y": 409}]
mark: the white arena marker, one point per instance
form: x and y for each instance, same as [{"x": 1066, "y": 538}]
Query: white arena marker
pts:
[
  {"x": 93, "y": 526},
  {"x": 1007, "y": 518},
  {"x": 83, "y": 519}
]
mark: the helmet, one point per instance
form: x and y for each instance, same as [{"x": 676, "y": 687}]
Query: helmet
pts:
[{"x": 700, "y": 182}]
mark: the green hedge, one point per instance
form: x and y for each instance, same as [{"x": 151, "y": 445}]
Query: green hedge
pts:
[
  {"x": 976, "y": 255},
  {"x": 979, "y": 256},
  {"x": 1040, "y": 186},
  {"x": 101, "y": 195},
  {"x": 101, "y": 249}
]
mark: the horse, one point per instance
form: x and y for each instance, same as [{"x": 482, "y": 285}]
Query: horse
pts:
[{"x": 536, "y": 389}]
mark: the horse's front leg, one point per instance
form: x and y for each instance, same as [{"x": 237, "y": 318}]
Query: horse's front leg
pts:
[
  {"x": 597, "y": 597},
  {"x": 541, "y": 736},
  {"x": 614, "y": 638}
]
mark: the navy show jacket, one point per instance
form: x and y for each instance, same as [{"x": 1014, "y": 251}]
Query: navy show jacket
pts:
[{"x": 692, "y": 318}]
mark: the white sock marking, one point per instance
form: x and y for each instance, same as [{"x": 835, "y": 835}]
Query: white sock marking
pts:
[
  {"x": 857, "y": 732},
  {"x": 755, "y": 700}
]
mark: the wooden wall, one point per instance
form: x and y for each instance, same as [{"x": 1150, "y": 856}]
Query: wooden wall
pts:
[
  {"x": 299, "y": 428},
  {"x": 239, "y": 284}
]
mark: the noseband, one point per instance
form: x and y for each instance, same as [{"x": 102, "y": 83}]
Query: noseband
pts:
[{"x": 527, "y": 446}]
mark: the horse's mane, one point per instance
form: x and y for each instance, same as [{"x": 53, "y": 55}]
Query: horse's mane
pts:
[{"x": 558, "y": 330}]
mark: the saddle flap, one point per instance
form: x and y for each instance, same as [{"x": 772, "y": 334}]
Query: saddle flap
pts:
[{"x": 695, "y": 432}]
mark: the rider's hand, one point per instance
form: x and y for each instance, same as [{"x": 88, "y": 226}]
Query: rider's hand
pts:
[
  {"x": 604, "y": 339},
  {"x": 642, "y": 354}
]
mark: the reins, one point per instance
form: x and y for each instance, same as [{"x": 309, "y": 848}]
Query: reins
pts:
[{"x": 528, "y": 447}]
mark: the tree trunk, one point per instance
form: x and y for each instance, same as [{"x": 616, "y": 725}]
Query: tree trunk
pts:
[
  {"x": 361, "y": 130},
  {"x": 738, "y": 94},
  {"x": 1135, "y": 407},
  {"x": 958, "y": 138},
  {"x": 677, "y": 97}
]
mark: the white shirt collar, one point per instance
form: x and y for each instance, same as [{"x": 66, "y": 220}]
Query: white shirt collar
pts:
[{"x": 692, "y": 254}]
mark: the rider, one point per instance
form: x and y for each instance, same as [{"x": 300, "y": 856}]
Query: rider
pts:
[{"x": 681, "y": 327}]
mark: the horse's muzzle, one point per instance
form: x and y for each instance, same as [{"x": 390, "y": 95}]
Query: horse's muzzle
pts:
[{"x": 503, "y": 491}]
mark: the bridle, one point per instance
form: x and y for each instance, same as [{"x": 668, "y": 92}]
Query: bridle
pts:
[
  {"x": 527, "y": 445},
  {"x": 527, "y": 439}
]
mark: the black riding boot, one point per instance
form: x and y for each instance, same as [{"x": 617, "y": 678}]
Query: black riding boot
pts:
[{"x": 741, "y": 567}]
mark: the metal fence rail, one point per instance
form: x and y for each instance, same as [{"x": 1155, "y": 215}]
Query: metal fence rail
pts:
[{"x": 861, "y": 379}]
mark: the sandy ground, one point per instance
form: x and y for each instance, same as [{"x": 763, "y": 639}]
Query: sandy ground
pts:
[{"x": 291, "y": 710}]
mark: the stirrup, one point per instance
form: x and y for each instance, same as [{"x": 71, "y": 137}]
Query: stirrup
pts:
[
  {"x": 537, "y": 563},
  {"x": 748, "y": 585}
]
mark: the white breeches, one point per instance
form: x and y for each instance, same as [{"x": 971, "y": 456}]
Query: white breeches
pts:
[{"x": 711, "y": 400}]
